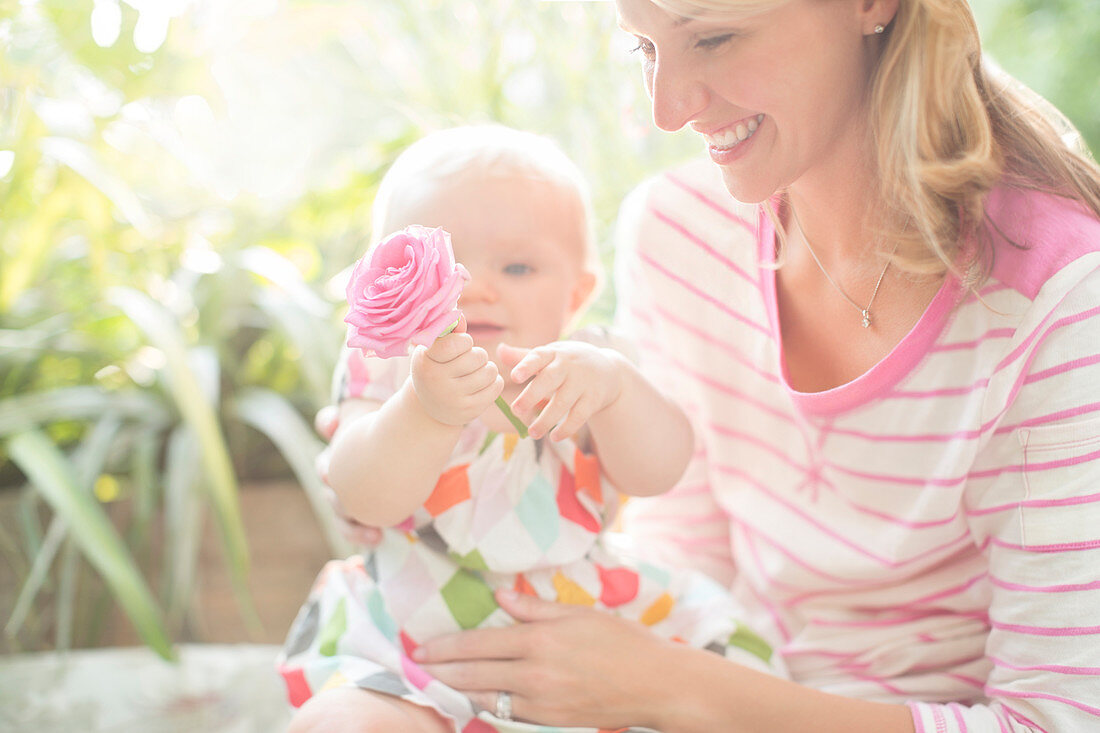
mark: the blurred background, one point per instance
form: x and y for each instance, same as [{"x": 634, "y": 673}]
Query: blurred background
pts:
[{"x": 181, "y": 181}]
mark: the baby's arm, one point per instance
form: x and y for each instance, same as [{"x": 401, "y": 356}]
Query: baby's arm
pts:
[
  {"x": 644, "y": 440},
  {"x": 387, "y": 458}
]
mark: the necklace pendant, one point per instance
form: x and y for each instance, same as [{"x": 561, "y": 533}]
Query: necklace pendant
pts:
[{"x": 866, "y": 318}]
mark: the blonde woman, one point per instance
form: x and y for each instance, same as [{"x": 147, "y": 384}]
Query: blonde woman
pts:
[{"x": 891, "y": 355}]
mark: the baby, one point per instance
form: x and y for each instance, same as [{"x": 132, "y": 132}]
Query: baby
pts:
[{"x": 471, "y": 506}]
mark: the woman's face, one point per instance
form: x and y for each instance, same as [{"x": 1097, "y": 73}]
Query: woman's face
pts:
[{"x": 773, "y": 95}]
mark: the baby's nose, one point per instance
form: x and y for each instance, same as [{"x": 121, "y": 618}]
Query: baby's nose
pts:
[{"x": 479, "y": 289}]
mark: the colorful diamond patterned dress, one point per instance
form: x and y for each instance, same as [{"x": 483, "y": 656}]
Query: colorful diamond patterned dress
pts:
[{"x": 507, "y": 513}]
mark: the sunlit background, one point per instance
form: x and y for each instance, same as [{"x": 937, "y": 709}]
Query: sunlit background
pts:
[{"x": 180, "y": 183}]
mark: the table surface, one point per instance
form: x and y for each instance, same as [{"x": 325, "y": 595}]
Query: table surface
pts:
[{"x": 215, "y": 688}]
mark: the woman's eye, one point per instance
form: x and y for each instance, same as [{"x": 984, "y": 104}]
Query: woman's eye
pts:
[
  {"x": 518, "y": 268},
  {"x": 646, "y": 47},
  {"x": 713, "y": 42}
]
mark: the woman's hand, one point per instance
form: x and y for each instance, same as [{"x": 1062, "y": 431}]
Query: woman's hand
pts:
[
  {"x": 574, "y": 380},
  {"x": 454, "y": 380},
  {"x": 564, "y": 665}
]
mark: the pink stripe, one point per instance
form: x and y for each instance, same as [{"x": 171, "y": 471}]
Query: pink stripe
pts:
[
  {"x": 792, "y": 557},
  {"x": 733, "y": 351},
  {"x": 752, "y": 440},
  {"x": 838, "y": 537},
  {"x": 994, "y": 333},
  {"x": 711, "y": 203},
  {"x": 840, "y": 656},
  {"x": 919, "y": 394},
  {"x": 1069, "y": 501},
  {"x": 1022, "y": 718},
  {"x": 950, "y": 482},
  {"x": 956, "y": 710},
  {"x": 1043, "y": 696},
  {"x": 918, "y": 721},
  {"x": 686, "y": 285},
  {"x": 1052, "y": 417},
  {"x": 726, "y": 389},
  {"x": 895, "y": 620},
  {"x": 915, "y": 438},
  {"x": 1046, "y": 630},
  {"x": 697, "y": 241},
  {"x": 1066, "y": 588},
  {"x": 880, "y": 681},
  {"x": 1059, "y": 668},
  {"x": 1046, "y": 329},
  {"x": 1066, "y": 547},
  {"x": 1068, "y": 366},
  {"x": 960, "y": 588},
  {"x": 772, "y": 611},
  {"x": 969, "y": 434},
  {"x": 967, "y": 679},
  {"x": 1008, "y": 360}
]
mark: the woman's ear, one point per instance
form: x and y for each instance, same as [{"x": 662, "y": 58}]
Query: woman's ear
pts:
[{"x": 876, "y": 13}]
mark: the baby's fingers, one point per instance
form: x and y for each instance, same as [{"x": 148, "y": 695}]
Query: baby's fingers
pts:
[
  {"x": 531, "y": 364},
  {"x": 559, "y": 405},
  {"x": 578, "y": 415},
  {"x": 450, "y": 347}
]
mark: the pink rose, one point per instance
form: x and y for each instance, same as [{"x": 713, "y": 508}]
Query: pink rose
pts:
[{"x": 404, "y": 291}]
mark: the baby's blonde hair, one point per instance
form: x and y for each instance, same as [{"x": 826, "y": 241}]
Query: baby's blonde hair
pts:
[
  {"x": 482, "y": 150},
  {"x": 947, "y": 128}
]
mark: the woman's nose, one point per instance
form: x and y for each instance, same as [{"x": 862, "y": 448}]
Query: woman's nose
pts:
[{"x": 677, "y": 95}]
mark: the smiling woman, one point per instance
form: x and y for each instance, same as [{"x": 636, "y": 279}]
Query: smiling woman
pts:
[{"x": 904, "y": 502}]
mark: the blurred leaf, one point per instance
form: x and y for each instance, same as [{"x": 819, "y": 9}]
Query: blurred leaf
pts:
[
  {"x": 273, "y": 416},
  {"x": 163, "y": 332},
  {"x": 48, "y": 469},
  {"x": 79, "y": 403}
]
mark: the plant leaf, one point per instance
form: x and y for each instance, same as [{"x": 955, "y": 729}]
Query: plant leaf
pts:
[
  {"x": 161, "y": 329},
  {"x": 49, "y": 470},
  {"x": 275, "y": 417}
]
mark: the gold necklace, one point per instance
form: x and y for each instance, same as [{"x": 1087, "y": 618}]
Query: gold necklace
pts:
[{"x": 865, "y": 312}]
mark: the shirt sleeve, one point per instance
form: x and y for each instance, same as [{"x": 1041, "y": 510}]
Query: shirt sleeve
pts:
[
  {"x": 1038, "y": 520},
  {"x": 684, "y": 527}
]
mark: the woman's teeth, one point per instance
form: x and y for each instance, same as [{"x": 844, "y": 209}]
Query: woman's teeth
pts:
[{"x": 736, "y": 134}]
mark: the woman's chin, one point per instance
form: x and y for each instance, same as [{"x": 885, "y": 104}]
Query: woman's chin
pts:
[{"x": 747, "y": 192}]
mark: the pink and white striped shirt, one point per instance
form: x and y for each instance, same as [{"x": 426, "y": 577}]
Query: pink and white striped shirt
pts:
[{"x": 928, "y": 533}]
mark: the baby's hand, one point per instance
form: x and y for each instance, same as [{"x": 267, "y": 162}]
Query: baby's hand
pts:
[
  {"x": 574, "y": 380},
  {"x": 455, "y": 380}
]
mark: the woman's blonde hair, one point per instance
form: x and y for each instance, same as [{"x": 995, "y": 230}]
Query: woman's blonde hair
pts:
[{"x": 948, "y": 127}]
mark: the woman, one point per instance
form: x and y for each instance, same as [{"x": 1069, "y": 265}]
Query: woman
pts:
[{"x": 891, "y": 361}]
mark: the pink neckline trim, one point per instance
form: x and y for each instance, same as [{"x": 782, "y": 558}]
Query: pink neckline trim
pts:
[{"x": 882, "y": 376}]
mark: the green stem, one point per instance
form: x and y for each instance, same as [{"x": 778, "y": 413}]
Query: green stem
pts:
[{"x": 519, "y": 426}]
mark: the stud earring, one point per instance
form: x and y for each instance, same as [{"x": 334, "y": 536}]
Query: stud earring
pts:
[{"x": 880, "y": 28}]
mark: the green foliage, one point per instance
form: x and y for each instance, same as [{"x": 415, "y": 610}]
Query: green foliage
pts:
[
  {"x": 1053, "y": 46},
  {"x": 178, "y": 210}
]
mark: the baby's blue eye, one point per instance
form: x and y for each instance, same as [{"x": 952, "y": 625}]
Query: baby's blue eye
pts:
[{"x": 518, "y": 268}]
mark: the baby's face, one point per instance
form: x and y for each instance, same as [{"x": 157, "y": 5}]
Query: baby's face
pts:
[{"x": 522, "y": 241}]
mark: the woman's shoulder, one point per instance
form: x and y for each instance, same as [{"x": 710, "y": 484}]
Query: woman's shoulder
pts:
[
  {"x": 1036, "y": 235},
  {"x": 687, "y": 208},
  {"x": 695, "y": 187}
]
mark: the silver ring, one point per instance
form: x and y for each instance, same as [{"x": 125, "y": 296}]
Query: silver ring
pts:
[{"x": 504, "y": 705}]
